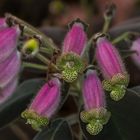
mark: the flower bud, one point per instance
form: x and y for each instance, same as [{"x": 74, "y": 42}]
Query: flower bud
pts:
[
  {"x": 136, "y": 56},
  {"x": 112, "y": 68},
  {"x": 8, "y": 90},
  {"x": 8, "y": 41},
  {"x": 95, "y": 113},
  {"x": 44, "y": 105},
  {"x": 9, "y": 69},
  {"x": 30, "y": 47},
  {"x": 75, "y": 40}
]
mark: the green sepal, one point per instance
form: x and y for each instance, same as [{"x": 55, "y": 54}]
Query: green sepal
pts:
[{"x": 36, "y": 121}]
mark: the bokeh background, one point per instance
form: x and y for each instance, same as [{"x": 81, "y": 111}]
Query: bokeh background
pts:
[{"x": 52, "y": 17}]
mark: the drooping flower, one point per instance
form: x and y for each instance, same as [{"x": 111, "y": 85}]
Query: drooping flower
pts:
[
  {"x": 112, "y": 68},
  {"x": 44, "y": 104},
  {"x": 136, "y": 56},
  {"x": 8, "y": 41},
  {"x": 95, "y": 113},
  {"x": 70, "y": 62}
]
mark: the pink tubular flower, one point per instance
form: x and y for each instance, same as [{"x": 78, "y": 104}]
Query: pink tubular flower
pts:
[
  {"x": 9, "y": 61},
  {"x": 136, "y": 56},
  {"x": 75, "y": 40},
  {"x": 112, "y": 68},
  {"x": 108, "y": 58},
  {"x": 9, "y": 68},
  {"x": 95, "y": 113},
  {"x": 93, "y": 93},
  {"x": 8, "y": 41},
  {"x": 44, "y": 104}
]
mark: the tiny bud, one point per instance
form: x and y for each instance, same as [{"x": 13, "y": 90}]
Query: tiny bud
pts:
[
  {"x": 44, "y": 105},
  {"x": 112, "y": 67},
  {"x": 30, "y": 47},
  {"x": 8, "y": 41},
  {"x": 95, "y": 113}
]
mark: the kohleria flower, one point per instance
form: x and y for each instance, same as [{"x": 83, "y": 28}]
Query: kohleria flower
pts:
[
  {"x": 43, "y": 105},
  {"x": 70, "y": 62},
  {"x": 95, "y": 113},
  {"x": 112, "y": 68}
]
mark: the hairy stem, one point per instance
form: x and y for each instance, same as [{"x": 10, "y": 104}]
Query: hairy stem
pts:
[{"x": 34, "y": 65}]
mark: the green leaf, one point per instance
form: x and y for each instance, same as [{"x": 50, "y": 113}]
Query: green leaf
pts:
[
  {"x": 58, "y": 130},
  {"x": 126, "y": 114},
  {"x": 13, "y": 107}
]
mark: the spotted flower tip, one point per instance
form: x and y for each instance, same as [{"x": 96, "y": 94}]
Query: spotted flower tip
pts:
[{"x": 43, "y": 105}]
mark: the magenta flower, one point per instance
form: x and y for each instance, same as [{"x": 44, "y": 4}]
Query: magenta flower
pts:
[
  {"x": 136, "y": 56},
  {"x": 8, "y": 90},
  {"x": 2, "y": 23},
  {"x": 8, "y": 41},
  {"x": 9, "y": 68},
  {"x": 44, "y": 104},
  {"x": 75, "y": 40},
  {"x": 112, "y": 68},
  {"x": 95, "y": 114},
  {"x": 9, "y": 61},
  {"x": 93, "y": 93}
]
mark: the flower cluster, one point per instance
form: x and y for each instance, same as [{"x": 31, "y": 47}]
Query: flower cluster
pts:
[
  {"x": 69, "y": 65},
  {"x": 9, "y": 59}
]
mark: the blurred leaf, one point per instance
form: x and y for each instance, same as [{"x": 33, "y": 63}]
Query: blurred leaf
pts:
[
  {"x": 125, "y": 118},
  {"x": 12, "y": 108},
  {"x": 126, "y": 115},
  {"x": 58, "y": 130}
]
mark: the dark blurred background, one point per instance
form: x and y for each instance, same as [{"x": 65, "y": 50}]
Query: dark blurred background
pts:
[{"x": 51, "y": 16}]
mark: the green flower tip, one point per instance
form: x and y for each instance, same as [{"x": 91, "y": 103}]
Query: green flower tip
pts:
[
  {"x": 70, "y": 65},
  {"x": 94, "y": 128},
  {"x": 95, "y": 119},
  {"x": 35, "y": 120},
  {"x": 117, "y": 86},
  {"x": 30, "y": 47}
]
